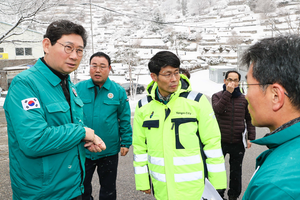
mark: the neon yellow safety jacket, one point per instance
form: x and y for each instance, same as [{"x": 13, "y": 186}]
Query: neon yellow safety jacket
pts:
[{"x": 177, "y": 144}]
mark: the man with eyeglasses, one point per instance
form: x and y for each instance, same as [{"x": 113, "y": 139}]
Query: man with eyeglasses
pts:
[
  {"x": 46, "y": 134},
  {"x": 230, "y": 107},
  {"x": 273, "y": 93},
  {"x": 176, "y": 137},
  {"x": 107, "y": 111}
]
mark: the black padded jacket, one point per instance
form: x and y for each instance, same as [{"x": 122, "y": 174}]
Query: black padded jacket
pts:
[{"x": 232, "y": 115}]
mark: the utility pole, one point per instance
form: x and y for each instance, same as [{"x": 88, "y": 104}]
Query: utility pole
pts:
[{"x": 91, "y": 26}]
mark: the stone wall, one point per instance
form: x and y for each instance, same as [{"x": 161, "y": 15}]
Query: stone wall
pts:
[{"x": 11, "y": 63}]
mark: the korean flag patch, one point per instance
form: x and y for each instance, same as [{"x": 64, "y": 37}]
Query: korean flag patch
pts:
[{"x": 30, "y": 103}]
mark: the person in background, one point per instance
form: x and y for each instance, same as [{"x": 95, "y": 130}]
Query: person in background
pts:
[
  {"x": 231, "y": 110},
  {"x": 185, "y": 72},
  {"x": 273, "y": 93},
  {"x": 46, "y": 134},
  {"x": 176, "y": 137},
  {"x": 107, "y": 111}
]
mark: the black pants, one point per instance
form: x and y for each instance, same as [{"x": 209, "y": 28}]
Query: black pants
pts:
[
  {"x": 236, "y": 153},
  {"x": 77, "y": 198},
  {"x": 107, "y": 173}
]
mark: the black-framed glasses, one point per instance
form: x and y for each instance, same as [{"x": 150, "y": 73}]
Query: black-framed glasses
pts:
[
  {"x": 69, "y": 49},
  {"x": 169, "y": 75},
  {"x": 244, "y": 87}
]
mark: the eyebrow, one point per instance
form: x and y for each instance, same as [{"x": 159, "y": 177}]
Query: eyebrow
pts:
[
  {"x": 168, "y": 71},
  {"x": 73, "y": 44}
]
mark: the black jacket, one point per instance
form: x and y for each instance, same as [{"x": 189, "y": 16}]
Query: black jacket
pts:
[{"x": 232, "y": 113}]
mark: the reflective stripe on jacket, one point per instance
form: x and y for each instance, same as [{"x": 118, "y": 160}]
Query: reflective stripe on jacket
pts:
[
  {"x": 167, "y": 142},
  {"x": 45, "y": 150}
]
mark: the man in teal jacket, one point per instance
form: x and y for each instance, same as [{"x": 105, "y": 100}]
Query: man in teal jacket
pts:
[
  {"x": 44, "y": 121},
  {"x": 273, "y": 93},
  {"x": 106, "y": 110}
]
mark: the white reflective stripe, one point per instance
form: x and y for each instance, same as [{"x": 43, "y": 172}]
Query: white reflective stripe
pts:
[
  {"x": 140, "y": 158},
  {"x": 156, "y": 161},
  {"x": 141, "y": 170},
  {"x": 158, "y": 176},
  {"x": 216, "y": 167},
  {"x": 187, "y": 160},
  {"x": 216, "y": 153},
  {"x": 188, "y": 176},
  {"x": 192, "y": 95},
  {"x": 144, "y": 101}
]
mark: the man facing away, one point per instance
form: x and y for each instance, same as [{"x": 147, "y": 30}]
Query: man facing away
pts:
[
  {"x": 107, "y": 111},
  {"x": 44, "y": 117},
  {"x": 273, "y": 93},
  {"x": 231, "y": 110},
  {"x": 173, "y": 126}
]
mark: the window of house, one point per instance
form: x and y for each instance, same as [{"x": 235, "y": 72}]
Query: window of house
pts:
[
  {"x": 24, "y": 51},
  {"x": 19, "y": 51},
  {"x": 28, "y": 51},
  {"x": 1, "y": 50}
]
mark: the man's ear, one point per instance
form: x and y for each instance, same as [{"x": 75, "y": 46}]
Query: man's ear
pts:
[
  {"x": 46, "y": 45},
  {"x": 154, "y": 77},
  {"x": 278, "y": 96}
]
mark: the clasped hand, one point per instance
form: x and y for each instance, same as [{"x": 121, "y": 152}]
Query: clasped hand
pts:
[{"x": 92, "y": 141}]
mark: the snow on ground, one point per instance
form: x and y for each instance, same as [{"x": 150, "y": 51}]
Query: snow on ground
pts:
[{"x": 199, "y": 80}]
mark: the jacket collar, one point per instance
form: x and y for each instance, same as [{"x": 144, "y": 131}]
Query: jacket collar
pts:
[
  {"x": 106, "y": 85},
  {"x": 283, "y": 134},
  {"x": 47, "y": 73},
  {"x": 184, "y": 86}
]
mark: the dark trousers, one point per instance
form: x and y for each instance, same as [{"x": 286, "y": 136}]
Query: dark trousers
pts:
[
  {"x": 107, "y": 173},
  {"x": 236, "y": 153},
  {"x": 77, "y": 198}
]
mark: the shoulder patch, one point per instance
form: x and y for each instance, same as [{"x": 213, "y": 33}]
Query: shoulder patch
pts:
[
  {"x": 144, "y": 101},
  {"x": 192, "y": 95},
  {"x": 30, "y": 103}
]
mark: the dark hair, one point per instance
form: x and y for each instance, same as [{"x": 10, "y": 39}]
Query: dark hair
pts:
[
  {"x": 64, "y": 27},
  {"x": 277, "y": 60},
  {"x": 163, "y": 59},
  {"x": 232, "y": 71},
  {"x": 101, "y": 54},
  {"x": 185, "y": 72}
]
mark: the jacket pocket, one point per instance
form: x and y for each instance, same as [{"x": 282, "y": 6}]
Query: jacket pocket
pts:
[
  {"x": 78, "y": 102},
  {"x": 86, "y": 101},
  {"x": 151, "y": 124},
  {"x": 111, "y": 102},
  {"x": 58, "y": 107}
]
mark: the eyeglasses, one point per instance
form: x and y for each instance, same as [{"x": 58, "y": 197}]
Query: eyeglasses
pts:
[
  {"x": 244, "y": 87},
  {"x": 169, "y": 75},
  {"x": 232, "y": 80},
  {"x": 101, "y": 67},
  {"x": 69, "y": 49}
]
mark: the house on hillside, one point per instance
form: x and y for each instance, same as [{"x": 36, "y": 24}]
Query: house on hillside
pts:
[{"x": 20, "y": 49}]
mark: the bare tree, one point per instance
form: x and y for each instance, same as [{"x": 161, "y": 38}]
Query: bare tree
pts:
[
  {"x": 234, "y": 41},
  {"x": 130, "y": 57},
  {"x": 282, "y": 22},
  {"x": 21, "y": 12}
]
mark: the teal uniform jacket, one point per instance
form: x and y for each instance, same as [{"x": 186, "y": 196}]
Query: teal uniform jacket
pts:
[
  {"x": 107, "y": 112},
  {"x": 278, "y": 173},
  {"x": 46, "y": 151}
]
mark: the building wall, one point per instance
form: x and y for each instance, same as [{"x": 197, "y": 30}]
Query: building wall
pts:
[{"x": 28, "y": 39}]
